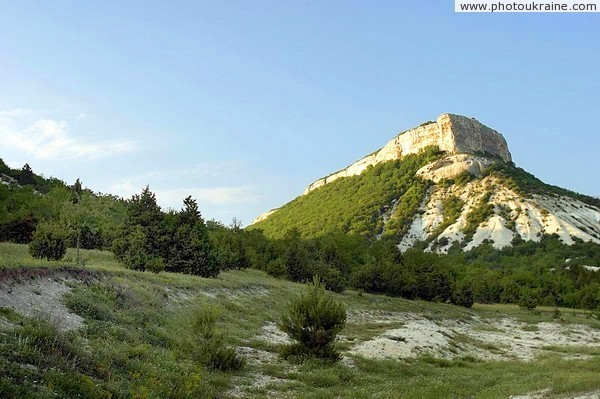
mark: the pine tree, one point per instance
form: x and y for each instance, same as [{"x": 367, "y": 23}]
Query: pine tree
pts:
[
  {"x": 191, "y": 250},
  {"x": 144, "y": 211},
  {"x": 26, "y": 176},
  {"x": 313, "y": 320}
]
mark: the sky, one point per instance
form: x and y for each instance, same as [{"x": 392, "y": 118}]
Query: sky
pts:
[{"x": 242, "y": 104}]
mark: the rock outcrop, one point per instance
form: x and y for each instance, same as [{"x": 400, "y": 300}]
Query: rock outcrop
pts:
[{"x": 454, "y": 134}]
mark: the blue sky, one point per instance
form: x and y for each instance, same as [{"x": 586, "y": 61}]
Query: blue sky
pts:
[{"x": 242, "y": 104}]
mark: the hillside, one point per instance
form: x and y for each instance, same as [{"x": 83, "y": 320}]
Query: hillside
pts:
[
  {"x": 444, "y": 183},
  {"x": 104, "y": 331}
]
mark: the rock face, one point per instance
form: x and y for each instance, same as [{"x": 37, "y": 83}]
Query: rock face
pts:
[
  {"x": 454, "y": 134},
  {"x": 513, "y": 215},
  {"x": 263, "y": 216},
  {"x": 453, "y": 165}
]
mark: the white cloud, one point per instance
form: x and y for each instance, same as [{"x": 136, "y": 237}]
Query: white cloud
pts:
[
  {"x": 207, "y": 195},
  {"x": 173, "y": 198},
  {"x": 48, "y": 138}
]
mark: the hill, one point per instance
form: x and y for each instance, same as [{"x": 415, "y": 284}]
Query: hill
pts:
[
  {"x": 103, "y": 331},
  {"x": 445, "y": 183}
]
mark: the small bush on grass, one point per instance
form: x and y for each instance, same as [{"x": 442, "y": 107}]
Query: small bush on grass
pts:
[
  {"x": 212, "y": 351},
  {"x": 528, "y": 301},
  {"x": 313, "y": 320},
  {"x": 49, "y": 242},
  {"x": 463, "y": 296}
]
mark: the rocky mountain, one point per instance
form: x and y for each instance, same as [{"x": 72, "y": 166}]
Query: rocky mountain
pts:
[{"x": 443, "y": 183}]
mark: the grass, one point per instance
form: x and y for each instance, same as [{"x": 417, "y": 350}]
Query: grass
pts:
[{"x": 137, "y": 342}]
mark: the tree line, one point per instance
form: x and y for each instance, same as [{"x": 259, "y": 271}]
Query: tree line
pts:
[{"x": 144, "y": 237}]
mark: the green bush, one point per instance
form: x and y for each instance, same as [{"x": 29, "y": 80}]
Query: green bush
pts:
[
  {"x": 49, "y": 241},
  {"x": 313, "y": 320},
  {"x": 463, "y": 296},
  {"x": 528, "y": 300},
  {"x": 276, "y": 268},
  {"x": 155, "y": 265},
  {"x": 135, "y": 256},
  {"x": 211, "y": 349}
]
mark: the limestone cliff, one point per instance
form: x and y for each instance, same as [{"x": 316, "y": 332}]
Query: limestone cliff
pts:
[{"x": 454, "y": 134}]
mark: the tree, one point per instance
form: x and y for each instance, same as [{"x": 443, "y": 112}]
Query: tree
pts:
[
  {"x": 314, "y": 320},
  {"x": 191, "y": 249},
  {"x": 296, "y": 257},
  {"x": 210, "y": 346},
  {"x": 230, "y": 247},
  {"x": 144, "y": 211},
  {"x": 26, "y": 176},
  {"x": 49, "y": 241},
  {"x": 76, "y": 200},
  {"x": 463, "y": 296}
]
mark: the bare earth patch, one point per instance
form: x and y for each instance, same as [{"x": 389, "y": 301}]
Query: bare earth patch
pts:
[
  {"x": 502, "y": 339},
  {"x": 40, "y": 297},
  {"x": 274, "y": 335}
]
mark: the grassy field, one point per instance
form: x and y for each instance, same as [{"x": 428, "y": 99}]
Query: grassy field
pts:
[{"x": 137, "y": 341}]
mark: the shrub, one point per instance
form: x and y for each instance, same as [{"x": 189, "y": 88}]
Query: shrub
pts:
[
  {"x": 212, "y": 352},
  {"x": 48, "y": 241},
  {"x": 313, "y": 320},
  {"x": 135, "y": 256},
  {"x": 463, "y": 296},
  {"x": 276, "y": 268},
  {"x": 528, "y": 301},
  {"x": 155, "y": 265}
]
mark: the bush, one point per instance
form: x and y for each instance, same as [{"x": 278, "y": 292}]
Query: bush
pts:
[
  {"x": 212, "y": 352},
  {"x": 135, "y": 256},
  {"x": 313, "y": 320},
  {"x": 155, "y": 265},
  {"x": 49, "y": 242},
  {"x": 528, "y": 301},
  {"x": 463, "y": 296},
  {"x": 276, "y": 268}
]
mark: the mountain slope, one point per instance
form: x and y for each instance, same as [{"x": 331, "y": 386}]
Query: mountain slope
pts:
[{"x": 443, "y": 183}]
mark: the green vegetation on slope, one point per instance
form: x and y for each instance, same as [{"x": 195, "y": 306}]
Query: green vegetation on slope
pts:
[
  {"x": 523, "y": 182},
  {"x": 354, "y": 205},
  {"x": 34, "y": 200}
]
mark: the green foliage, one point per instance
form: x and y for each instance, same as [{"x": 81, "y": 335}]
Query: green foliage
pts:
[
  {"x": 296, "y": 258},
  {"x": 155, "y": 265},
  {"x": 230, "y": 247},
  {"x": 48, "y": 242},
  {"x": 452, "y": 208},
  {"x": 212, "y": 352},
  {"x": 354, "y": 205},
  {"x": 191, "y": 251},
  {"x": 463, "y": 296},
  {"x": 479, "y": 214},
  {"x": 528, "y": 300},
  {"x": 26, "y": 176},
  {"x": 313, "y": 321},
  {"x": 144, "y": 214},
  {"x": 133, "y": 253},
  {"x": 414, "y": 274},
  {"x": 463, "y": 178},
  {"x": 49, "y": 199},
  {"x": 523, "y": 182},
  {"x": 406, "y": 208}
]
